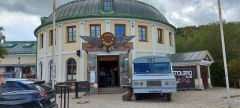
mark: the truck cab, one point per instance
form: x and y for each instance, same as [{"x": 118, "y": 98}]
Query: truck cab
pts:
[{"x": 153, "y": 75}]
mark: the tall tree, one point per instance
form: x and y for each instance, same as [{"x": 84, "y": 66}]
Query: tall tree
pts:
[
  {"x": 207, "y": 37},
  {"x": 3, "y": 50}
]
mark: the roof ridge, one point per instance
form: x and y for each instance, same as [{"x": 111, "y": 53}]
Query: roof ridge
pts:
[{"x": 192, "y": 51}]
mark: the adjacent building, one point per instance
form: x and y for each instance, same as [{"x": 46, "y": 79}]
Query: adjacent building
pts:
[{"x": 21, "y": 59}]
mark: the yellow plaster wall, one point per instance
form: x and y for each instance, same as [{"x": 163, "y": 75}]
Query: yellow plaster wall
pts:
[
  {"x": 49, "y": 47},
  {"x": 143, "y": 45},
  {"x": 70, "y": 46},
  {"x": 94, "y": 22},
  {"x": 40, "y": 50},
  {"x": 14, "y": 60},
  {"x": 86, "y": 67},
  {"x": 173, "y": 48},
  {"x": 143, "y": 54},
  {"x": 159, "y": 46}
]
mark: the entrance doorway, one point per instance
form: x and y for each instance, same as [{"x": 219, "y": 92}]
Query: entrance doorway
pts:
[
  {"x": 108, "y": 71},
  {"x": 204, "y": 75}
]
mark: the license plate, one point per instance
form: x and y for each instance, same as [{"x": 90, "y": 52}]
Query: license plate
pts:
[
  {"x": 155, "y": 91},
  {"x": 52, "y": 100}
]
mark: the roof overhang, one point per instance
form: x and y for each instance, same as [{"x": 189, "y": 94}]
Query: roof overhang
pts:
[
  {"x": 192, "y": 58},
  {"x": 191, "y": 63},
  {"x": 17, "y": 65}
]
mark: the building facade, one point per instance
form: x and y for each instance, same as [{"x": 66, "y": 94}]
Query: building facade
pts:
[
  {"x": 101, "y": 35},
  {"x": 97, "y": 40},
  {"x": 21, "y": 59}
]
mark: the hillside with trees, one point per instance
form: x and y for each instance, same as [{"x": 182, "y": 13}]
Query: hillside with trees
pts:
[{"x": 207, "y": 37}]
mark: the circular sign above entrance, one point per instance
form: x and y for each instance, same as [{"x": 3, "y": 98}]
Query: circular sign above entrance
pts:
[{"x": 107, "y": 39}]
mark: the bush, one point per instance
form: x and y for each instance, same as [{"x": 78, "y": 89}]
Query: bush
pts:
[
  {"x": 234, "y": 72},
  {"x": 217, "y": 73}
]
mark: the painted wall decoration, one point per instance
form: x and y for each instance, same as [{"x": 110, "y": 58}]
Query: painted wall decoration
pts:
[
  {"x": 124, "y": 70},
  {"x": 185, "y": 77},
  {"x": 107, "y": 40},
  {"x": 92, "y": 73}
]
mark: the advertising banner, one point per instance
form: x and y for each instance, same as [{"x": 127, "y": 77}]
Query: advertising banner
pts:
[{"x": 185, "y": 77}]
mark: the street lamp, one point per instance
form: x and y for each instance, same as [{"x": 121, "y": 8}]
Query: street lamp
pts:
[
  {"x": 224, "y": 51},
  {"x": 53, "y": 46}
]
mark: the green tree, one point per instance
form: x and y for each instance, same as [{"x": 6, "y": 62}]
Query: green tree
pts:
[
  {"x": 234, "y": 72},
  {"x": 207, "y": 37},
  {"x": 3, "y": 50}
]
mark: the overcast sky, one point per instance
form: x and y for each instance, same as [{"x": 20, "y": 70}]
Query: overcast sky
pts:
[{"x": 21, "y": 17}]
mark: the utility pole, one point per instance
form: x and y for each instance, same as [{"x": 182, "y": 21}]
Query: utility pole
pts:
[
  {"x": 224, "y": 51},
  {"x": 53, "y": 45}
]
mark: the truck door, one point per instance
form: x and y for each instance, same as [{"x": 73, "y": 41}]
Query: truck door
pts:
[{"x": 125, "y": 79}]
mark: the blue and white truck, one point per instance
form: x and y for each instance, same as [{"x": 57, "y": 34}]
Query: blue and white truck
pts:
[{"x": 153, "y": 75}]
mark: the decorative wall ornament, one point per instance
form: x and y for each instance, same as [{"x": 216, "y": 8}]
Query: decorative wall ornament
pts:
[{"x": 107, "y": 40}]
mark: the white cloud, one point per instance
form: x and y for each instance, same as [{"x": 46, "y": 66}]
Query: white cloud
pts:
[
  {"x": 21, "y": 17},
  {"x": 18, "y": 25},
  {"x": 188, "y": 9}
]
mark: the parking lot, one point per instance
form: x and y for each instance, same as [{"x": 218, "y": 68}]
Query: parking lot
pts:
[{"x": 210, "y": 98}]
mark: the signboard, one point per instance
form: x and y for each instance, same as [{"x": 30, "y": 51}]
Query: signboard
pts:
[
  {"x": 92, "y": 73},
  {"x": 124, "y": 70},
  {"x": 185, "y": 77}
]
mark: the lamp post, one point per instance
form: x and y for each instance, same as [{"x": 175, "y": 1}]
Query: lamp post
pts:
[
  {"x": 224, "y": 51},
  {"x": 53, "y": 46}
]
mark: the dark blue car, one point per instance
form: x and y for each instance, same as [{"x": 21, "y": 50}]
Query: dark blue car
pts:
[{"x": 24, "y": 93}]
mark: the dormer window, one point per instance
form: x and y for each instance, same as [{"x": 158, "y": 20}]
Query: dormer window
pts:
[{"x": 107, "y": 6}]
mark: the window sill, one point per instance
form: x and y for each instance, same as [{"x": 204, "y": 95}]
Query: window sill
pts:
[
  {"x": 51, "y": 45},
  {"x": 70, "y": 42},
  {"x": 143, "y": 41}
]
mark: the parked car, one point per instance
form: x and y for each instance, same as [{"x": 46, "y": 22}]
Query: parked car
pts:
[
  {"x": 25, "y": 93},
  {"x": 153, "y": 75},
  {"x": 8, "y": 75}
]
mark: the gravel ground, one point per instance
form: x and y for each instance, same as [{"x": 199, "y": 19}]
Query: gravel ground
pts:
[{"x": 210, "y": 98}]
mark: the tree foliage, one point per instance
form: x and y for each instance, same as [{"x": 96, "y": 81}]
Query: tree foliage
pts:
[
  {"x": 207, "y": 37},
  {"x": 234, "y": 71},
  {"x": 3, "y": 50}
]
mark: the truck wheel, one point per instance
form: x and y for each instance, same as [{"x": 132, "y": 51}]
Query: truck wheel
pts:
[
  {"x": 137, "y": 96},
  {"x": 168, "y": 97}
]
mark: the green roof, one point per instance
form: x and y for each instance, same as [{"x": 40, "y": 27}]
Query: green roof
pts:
[
  {"x": 93, "y": 9},
  {"x": 20, "y": 47}
]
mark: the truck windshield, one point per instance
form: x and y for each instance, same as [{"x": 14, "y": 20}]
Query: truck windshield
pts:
[{"x": 152, "y": 68}]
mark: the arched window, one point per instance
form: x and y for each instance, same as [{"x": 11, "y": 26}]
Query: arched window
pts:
[
  {"x": 71, "y": 70},
  {"x": 40, "y": 70},
  {"x": 50, "y": 70}
]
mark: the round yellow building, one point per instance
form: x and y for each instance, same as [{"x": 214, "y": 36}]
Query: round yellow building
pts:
[{"x": 98, "y": 39}]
